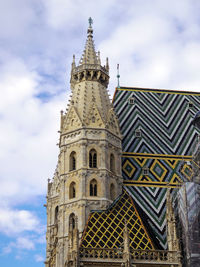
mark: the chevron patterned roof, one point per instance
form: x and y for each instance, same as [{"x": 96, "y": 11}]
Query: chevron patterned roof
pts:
[{"x": 158, "y": 139}]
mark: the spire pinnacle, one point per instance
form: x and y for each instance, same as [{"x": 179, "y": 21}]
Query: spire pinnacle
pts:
[
  {"x": 90, "y": 30},
  {"x": 73, "y": 62},
  {"x": 89, "y": 55},
  {"x": 90, "y": 20},
  {"x": 89, "y": 67}
]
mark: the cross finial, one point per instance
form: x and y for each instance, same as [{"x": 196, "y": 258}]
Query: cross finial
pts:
[{"x": 90, "y": 22}]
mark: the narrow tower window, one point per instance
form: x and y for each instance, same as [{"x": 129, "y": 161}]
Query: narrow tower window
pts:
[
  {"x": 93, "y": 188},
  {"x": 72, "y": 190},
  {"x": 93, "y": 158},
  {"x": 71, "y": 221},
  {"x": 112, "y": 191},
  {"x": 72, "y": 161},
  {"x": 112, "y": 163},
  {"x": 56, "y": 214}
]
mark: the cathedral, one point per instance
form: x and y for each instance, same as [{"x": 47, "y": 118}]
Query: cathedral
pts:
[{"x": 125, "y": 191}]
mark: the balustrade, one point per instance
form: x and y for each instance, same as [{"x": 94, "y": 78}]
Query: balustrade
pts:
[
  {"x": 137, "y": 256},
  {"x": 88, "y": 67},
  {"x": 154, "y": 255},
  {"x": 99, "y": 253}
]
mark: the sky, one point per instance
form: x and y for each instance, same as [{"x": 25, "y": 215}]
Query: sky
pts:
[{"x": 155, "y": 42}]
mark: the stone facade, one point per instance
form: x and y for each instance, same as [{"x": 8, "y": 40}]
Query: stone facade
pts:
[
  {"x": 88, "y": 178},
  {"x": 88, "y": 174}
]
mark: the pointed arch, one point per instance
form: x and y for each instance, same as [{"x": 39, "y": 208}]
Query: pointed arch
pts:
[
  {"x": 72, "y": 190},
  {"x": 72, "y": 221},
  {"x": 72, "y": 161},
  {"x": 112, "y": 163},
  {"x": 93, "y": 188},
  {"x": 112, "y": 191},
  {"x": 93, "y": 158}
]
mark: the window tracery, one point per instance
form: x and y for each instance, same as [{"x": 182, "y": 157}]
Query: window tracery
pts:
[
  {"x": 72, "y": 190},
  {"x": 93, "y": 188},
  {"x": 93, "y": 158}
]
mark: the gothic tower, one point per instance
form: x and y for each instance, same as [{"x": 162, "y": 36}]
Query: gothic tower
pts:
[{"x": 88, "y": 173}]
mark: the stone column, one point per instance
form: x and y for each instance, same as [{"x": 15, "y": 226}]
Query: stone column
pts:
[{"x": 126, "y": 254}]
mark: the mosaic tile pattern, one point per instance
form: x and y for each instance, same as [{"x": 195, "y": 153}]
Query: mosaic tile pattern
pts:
[
  {"x": 163, "y": 147},
  {"x": 105, "y": 228}
]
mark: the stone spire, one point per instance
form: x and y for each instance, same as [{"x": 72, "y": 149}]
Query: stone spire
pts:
[
  {"x": 88, "y": 173},
  {"x": 90, "y": 104},
  {"x": 89, "y": 67},
  {"x": 89, "y": 55}
]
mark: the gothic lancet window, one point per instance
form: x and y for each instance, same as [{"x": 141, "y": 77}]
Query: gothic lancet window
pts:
[
  {"x": 72, "y": 161},
  {"x": 112, "y": 163},
  {"x": 112, "y": 191},
  {"x": 93, "y": 188},
  {"x": 71, "y": 221},
  {"x": 93, "y": 158},
  {"x": 72, "y": 190},
  {"x": 56, "y": 214}
]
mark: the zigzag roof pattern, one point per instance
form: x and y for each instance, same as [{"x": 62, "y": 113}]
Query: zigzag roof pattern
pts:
[{"x": 158, "y": 156}]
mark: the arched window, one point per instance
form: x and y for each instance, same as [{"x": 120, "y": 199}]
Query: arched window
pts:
[
  {"x": 112, "y": 163},
  {"x": 93, "y": 158},
  {"x": 72, "y": 161},
  {"x": 72, "y": 221},
  {"x": 93, "y": 188},
  {"x": 56, "y": 214},
  {"x": 112, "y": 191},
  {"x": 72, "y": 190}
]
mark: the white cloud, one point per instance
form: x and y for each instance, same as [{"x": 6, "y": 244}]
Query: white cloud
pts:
[
  {"x": 157, "y": 46},
  {"x": 28, "y": 133},
  {"x": 42, "y": 238},
  {"x": 24, "y": 243},
  {"x": 7, "y": 249},
  {"x": 24, "y": 229},
  {"x": 156, "y": 43},
  {"x": 60, "y": 13},
  {"x": 21, "y": 244},
  {"x": 39, "y": 258},
  {"x": 13, "y": 222},
  {"x": 13, "y": 16}
]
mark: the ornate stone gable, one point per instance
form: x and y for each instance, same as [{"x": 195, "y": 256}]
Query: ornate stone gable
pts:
[
  {"x": 93, "y": 118},
  {"x": 112, "y": 123},
  {"x": 71, "y": 121}
]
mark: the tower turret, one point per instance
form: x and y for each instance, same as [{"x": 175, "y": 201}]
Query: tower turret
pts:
[
  {"x": 88, "y": 174},
  {"x": 89, "y": 81}
]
